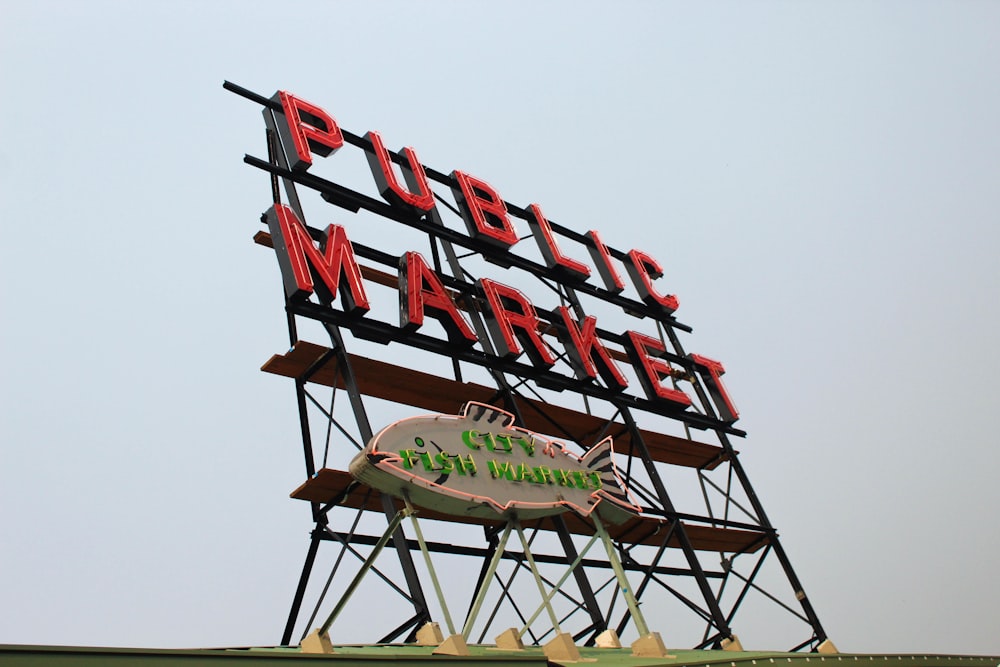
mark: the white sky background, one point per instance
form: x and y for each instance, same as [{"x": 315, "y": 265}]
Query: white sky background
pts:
[{"x": 820, "y": 181}]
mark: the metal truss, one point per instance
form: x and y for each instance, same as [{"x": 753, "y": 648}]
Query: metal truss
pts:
[{"x": 703, "y": 563}]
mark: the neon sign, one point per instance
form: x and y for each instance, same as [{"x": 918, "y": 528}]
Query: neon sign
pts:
[
  {"x": 486, "y": 322},
  {"x": 467, "y": 299},
  {"x": 479, "y": 464}
]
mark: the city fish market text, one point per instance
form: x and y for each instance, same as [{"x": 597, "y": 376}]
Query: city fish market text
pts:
[
  {"x": 325, "y": 264},
  {"x": 503, "y": 443},
  {"x": 478, "y": 463}
]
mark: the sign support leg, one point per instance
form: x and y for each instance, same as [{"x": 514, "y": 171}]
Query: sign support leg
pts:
[
  {"x": 300, "y": 590},
  {"x": 386, "y": 536},
  {"x": 616, "y": 565},
  {"x": 430, "y": 565},
  {"x": 481, "y": 594},
  {"x": 591, "y": 605},
  {"x": 555, "y": 589},
  {"x": 538, "y": 579}
]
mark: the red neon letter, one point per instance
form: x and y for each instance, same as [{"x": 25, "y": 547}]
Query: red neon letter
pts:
[
  {"x": 420, "y": 289},
  {"x": 301, "y": 262},
  {"x": 554, "y": 258},
  {"x": 307, "y": 128},
  {"x": 602, "y": 260},
  {"x": 653, "y": 368},
  {"x": 584, "y": 348},
  {"x": 483, "y": 210},
  {"x": 643, "y": 269},
  {"x": 507, "y": 326},
  {"x": 710, "y": 370},
  {"x": 389, "y": 186}
]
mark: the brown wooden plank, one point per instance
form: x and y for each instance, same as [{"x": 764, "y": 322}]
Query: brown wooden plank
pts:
[
  {"x": 329, "y": 484},
  {"x": 438, "y": 394}
]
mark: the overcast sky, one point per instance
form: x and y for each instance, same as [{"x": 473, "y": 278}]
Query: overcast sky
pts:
[{"x": 819, "y": 180}]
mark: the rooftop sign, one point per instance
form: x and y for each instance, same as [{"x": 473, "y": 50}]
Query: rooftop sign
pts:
[
  {"x": 500, "y": 290},
  {"x": 486, "y": 321},
  {"x": 479, "y": 464}
]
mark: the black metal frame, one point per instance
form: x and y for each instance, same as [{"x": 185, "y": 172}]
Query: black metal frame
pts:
[{"x": 512, "y": 379}]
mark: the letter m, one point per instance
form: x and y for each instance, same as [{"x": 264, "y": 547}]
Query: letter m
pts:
[
  {"x": 501, "y": 469},
  {"x": 306, "y": 268}
]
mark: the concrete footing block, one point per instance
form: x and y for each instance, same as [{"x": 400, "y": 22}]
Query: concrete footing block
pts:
[
  {"x": 316, "y": 642},
  {"x": 732, "y": 644},
  {"x": 562, "y": 649},
  {"x": 650, "y": 646},
  {"x": 826, "y": 647},
  {"x": 453, "y": 645},
  {"x": 510, "y": 640},
  {"x": 608, "y": 639},
  {"x": 430, "y": 634}
]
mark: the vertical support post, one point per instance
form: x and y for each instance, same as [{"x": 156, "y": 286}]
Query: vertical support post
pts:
[
  {"x": 300, "y": 590},
  {"x": 758, "y": 507},
  {"x": 430, "y": 565},
  {"x": 616, "y": 565},
  {"x": 492, "y": 540},
  {"x": 547, "y": 599},
  {"x": 484, "y": 586},
  {"x": 582, "y": 582},
  {"x": 718, "y": 618},
  {"x": 388, "y": 506},
  {"x": 538, "y": 578}
]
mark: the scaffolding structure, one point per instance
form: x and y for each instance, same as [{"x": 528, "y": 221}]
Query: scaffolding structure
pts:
[{"x": 706, "y": 560}]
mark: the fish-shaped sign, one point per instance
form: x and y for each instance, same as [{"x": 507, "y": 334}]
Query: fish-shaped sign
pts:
[{"x": 479, "y": 464}]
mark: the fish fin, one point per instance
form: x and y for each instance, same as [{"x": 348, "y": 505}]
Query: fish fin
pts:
[{"x": 478, "y": 412}]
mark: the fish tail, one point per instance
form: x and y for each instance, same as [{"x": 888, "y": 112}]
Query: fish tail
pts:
[{"x": 600, "y": 459}]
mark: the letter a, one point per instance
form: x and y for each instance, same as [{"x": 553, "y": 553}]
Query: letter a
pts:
[{"x": 420, "y": 290}]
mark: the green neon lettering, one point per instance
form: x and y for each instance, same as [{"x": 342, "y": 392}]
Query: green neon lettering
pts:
[
  {"x": 425, "y": 458},
  {"x": 462, "y": 466},
  {"x": 580, "y": 479},
  {"x": 562, "y": 478},
  {"x": 407, "y": 455},
  {"x": 444, "y": 461},
  {"x": 498, "y": 443},
  {"x": 471, "y": 439},
  {"x": 527, "y": 445},
  {"x": 543, "y": 475},
  {"x": 595, "y": 480},
  {"x": 524, "y": 473},
  {"x": 505, "y": 470}
]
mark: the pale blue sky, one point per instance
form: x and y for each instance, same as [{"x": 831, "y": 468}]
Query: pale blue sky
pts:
[{"x": 820, "y": 181}]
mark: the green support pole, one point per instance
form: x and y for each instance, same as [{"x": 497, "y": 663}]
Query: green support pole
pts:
[
  {"x": 616, "y": 565},
  {"x": 430, "y": 566},
  {"x": 386, "y": 536},
  {"x": 555, "y": 589},
  {"x": 538, "y": 578},
  {"x": 481, "y": 593}
]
